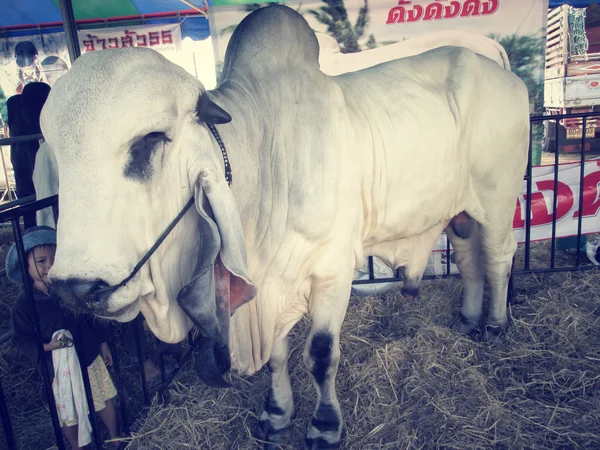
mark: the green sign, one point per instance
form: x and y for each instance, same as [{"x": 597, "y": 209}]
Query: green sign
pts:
[{"x": 95, "y": 9}]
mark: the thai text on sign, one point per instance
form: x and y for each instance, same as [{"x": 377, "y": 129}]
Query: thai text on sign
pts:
[
  {"x": 406, "y": 12},
  {"x": 159, "y": 37}
]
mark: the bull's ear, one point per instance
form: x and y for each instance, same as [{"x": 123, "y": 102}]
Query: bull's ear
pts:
[
  {"x": 233, "y": 246},
  {"x": 209, "y": 112},
  {"x": 220, "y": 283}
]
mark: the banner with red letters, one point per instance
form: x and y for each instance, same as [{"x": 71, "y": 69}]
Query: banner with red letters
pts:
[
  {"x": 567, "y": 204},
  {"x": 567, "y": 195},
  {"x": 45, "y": 57},
  {"x": 162, "y": 38},
  {"x": 356, "y": 34}
]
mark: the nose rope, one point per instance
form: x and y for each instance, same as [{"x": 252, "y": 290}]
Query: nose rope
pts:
[{"x": 163, "y": 236}]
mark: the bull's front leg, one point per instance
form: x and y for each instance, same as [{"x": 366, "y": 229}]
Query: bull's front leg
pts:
[
  {"x": 321, "y": 356},
  {"x": 275, "y": 421}
]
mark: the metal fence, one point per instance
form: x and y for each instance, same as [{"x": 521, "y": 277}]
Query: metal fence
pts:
[
  {"x": 13, "y": 212},
  {"x": 579, "y": 263}
]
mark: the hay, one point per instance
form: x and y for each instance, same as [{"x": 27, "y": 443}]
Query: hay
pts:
[{"x": 408, "y": 381}]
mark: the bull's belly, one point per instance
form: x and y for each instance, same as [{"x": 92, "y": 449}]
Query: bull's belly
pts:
[
  {"x": 406, "y": 217},
  {"x": 411, "y": 252}
]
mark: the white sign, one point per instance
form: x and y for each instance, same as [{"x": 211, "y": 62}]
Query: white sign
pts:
[{"x": 162, "y": 38}]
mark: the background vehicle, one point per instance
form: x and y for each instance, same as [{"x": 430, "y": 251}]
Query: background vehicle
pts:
[{"x": 572, "y": 76}]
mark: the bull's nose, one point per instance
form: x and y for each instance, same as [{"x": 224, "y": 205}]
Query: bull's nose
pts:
[{"x": 82, "y": 295}]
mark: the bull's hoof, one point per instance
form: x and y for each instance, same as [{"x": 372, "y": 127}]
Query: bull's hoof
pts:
[
  {"x": 466, "y": 326},
  {"x": 320, "y": 443},
  {"x": 271, "y": 437},
  {"x": 493, "y": 333}
]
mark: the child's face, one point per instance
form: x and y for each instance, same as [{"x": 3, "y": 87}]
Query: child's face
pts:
[{"x": 39, "y": 261}]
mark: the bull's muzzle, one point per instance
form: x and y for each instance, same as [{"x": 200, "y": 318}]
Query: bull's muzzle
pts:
[{"x": 82, "y": 296}]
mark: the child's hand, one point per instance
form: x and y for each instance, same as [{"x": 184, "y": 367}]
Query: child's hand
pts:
[
  {"x": 106, "y": 354},
  {"x": 54, "y": 344}
]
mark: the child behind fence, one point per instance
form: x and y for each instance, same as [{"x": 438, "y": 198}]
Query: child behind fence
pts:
[{"x": 59, "y": 329}]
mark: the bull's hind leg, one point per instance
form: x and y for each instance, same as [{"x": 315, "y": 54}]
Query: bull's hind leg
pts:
[
  {"x": 498, "y": 252},
  {"x": 469, "y": 259},
  {"x": 328, "y": 304},
  {"x": 275, "y": 421},
  {"x": 499, "y": 246}
]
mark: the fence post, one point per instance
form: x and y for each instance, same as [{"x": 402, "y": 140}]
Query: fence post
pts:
[{"x": 6, "y": 425}]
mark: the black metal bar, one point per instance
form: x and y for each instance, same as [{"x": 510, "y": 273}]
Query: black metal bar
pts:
[
  {"x": 12, "y": 210},
  {"x": 193, "y": 343},
  {"x": 121, "y": 393},
  {"x": 563, "y": 116},
  {"x": 188, "y": 354},
  {"x": 6, "y": 425},
  {"x": 68, "y": 20},
  {"x": 40, "y": 345},
  {"x": 447, "y": 255},
  {"x": 14, "y": 203},
  {"x": 581, "y": 177},
  {"x": 88, "y": 390},
  {"x": 138, "y": 335},
  {"x": 529, "y": 179},
  {"x": 161, "y": 364},
  {"x": 17, "y": 139},
  {"x": 555, "y": 198},
  {"x": 452, "y": 275},
  {"x": 371, "y": 268}
]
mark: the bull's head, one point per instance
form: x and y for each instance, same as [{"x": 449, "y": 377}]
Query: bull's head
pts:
[{"x": 128, "y": 131}]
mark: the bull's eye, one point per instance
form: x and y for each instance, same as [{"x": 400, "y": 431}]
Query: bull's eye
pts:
[{"x": 139, "y": 166}]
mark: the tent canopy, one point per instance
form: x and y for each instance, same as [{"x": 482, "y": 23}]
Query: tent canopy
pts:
[
  {"x": 575, "y": 3},
  {"x": 22, "y": 17},
  {"x": 18, "y": 17}
]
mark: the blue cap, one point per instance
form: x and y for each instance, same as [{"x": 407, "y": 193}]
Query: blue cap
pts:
[{"x": 32, "y": 237}]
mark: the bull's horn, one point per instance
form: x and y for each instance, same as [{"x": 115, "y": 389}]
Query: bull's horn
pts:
[{"x": 209, "y": 112}]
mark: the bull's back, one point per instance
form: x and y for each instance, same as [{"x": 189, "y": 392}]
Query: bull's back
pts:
[{"x": 424, "y": 116}]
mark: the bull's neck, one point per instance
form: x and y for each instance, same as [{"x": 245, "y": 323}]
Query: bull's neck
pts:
[{"x": 241, "y": 137}]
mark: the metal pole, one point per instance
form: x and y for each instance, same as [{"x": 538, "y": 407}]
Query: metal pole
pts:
[
  {"x": 529, "y": 179},
  {"x": 8, "y": 186},
  {"x": 581, "y": 192},
  {"x": 139, "y": 334},
  {"x": 8, "y": 431},
  {"x": 68, "y": 19},
  {"x": 555, "y": 197}
]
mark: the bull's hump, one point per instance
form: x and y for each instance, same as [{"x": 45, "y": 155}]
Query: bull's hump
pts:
[{"x": 272, "y": 37}]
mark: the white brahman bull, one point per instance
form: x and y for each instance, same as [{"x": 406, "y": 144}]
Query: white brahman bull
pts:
[{"x": 326, "y": 170}]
